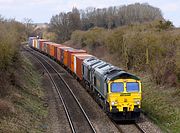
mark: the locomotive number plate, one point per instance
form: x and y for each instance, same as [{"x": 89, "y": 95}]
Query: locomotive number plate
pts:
[{"x": 125, "y": 94}]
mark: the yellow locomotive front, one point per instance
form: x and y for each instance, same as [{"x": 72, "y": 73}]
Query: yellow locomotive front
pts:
[{"x": 124, "y": 98}]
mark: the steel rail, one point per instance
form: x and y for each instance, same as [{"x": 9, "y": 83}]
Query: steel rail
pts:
[
  {"x": 142, "y": 130},
  {"x": 84, "y": 113},
  {"x": 116, "y": 125},
  {"x": 59, "y": 94},
  {"x": 135, "y": 124}
]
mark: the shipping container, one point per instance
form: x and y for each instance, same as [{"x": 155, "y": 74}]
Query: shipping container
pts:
[
  {"x": 59, "y": 52},
  {"x": 30, "y": 42},
  {"x": 56, "y": 50},
  {"x": 45, "y": 47},
  {"x": 78, "y": 65},
  {"x": 64, "y": 54},
  {"x": 70, "y": 52},
  {"x": 41, "y": 43},
  {"x": 34, "y": 44},
  {"x": 53, "y": 51},
  {"x": 38, "y": 44},
  {"x": 49, "y": 48},
  {"x": 42, "y": 47},
  {"x": 73, "y": 60}
]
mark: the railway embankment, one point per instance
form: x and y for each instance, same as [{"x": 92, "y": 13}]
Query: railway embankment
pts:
[{"x": 23, "y": 108}]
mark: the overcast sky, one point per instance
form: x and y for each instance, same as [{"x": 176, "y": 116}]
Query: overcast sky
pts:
[{"x": 42, "y": 10}]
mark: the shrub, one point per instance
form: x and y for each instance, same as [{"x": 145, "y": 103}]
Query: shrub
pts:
[
  {"x": 141, "y": 47},
  {"x": 91, "y": 38},
  {"x": 11, "y": 34}
]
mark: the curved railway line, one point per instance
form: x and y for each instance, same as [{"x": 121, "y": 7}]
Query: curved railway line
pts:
[{"x": 75, "y": 113}]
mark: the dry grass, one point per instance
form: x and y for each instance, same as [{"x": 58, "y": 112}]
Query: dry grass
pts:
[
  {"x": 22, "y": 110},
  {"x": 6, "y": 108},
  {"x": 162, "y": 104}
]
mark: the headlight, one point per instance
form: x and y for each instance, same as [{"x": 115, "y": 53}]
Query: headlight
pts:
[
  {"x": 113, "y": 103},
  {"x": 137, "y": 101}
]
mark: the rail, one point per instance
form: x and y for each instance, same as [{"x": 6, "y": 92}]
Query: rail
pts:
[{"x": 34, "y": 53}]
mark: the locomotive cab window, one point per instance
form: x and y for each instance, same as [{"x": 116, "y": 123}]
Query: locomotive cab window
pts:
[
  {"x": 117, "y": 87},
  {"x": 132, "y": 87}
]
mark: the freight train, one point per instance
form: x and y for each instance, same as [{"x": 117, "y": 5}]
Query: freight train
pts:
[{"x": 116, "y": 91}]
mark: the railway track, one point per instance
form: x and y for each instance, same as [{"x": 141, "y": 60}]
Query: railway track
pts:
[
  {"x": 129, "y": 127},
  {"x": 70, "y": 111},
  {"x": 77, "y": 117},
  {"x": 140, "y": 129}
]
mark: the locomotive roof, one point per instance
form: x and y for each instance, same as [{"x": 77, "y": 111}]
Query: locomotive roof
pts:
[
  {"x": 90, "y": 61},
  {"x": 120, "y": 74},
  {"x": 97, "y": 64},
  {"x": 110, "y": 72},
  {"x": 103, "y": 69}
]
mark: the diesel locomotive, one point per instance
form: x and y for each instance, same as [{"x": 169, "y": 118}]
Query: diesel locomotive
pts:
[{"x": 118, "y": 92}]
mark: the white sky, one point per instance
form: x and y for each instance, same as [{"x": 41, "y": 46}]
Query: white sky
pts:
[{"x": 42, "y": 10}]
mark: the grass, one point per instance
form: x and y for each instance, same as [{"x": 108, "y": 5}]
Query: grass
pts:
[
  {"x": 162, "y": 104},
  {"x": 26, "y": 98}
]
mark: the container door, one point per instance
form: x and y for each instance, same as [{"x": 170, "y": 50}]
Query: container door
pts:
[
  {"x": 38, "y": 46},
  {"x": 74, "y": 64},
  {"x": 58, "y": 54},
  {"x": 48, "y": 49},
  {"x": 65, "y": 58},
  {"x": 61, "y": 57},
  {"x": 55, "y": 52}
]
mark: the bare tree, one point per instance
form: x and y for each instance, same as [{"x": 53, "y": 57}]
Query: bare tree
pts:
[
  {"x": 64, "y": 24},
  {"x": 29, "y": 27}
]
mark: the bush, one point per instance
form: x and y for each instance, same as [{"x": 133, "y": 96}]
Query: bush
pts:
[
  {"x": 11, "y": 34},
  {"x": 151, "y": 47},
  {"x": 91, "y": 38},
  {"x": 77, "y": 36}
]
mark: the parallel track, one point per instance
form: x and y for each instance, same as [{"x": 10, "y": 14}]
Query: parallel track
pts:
[
  {"x": 70, "y": 103},
  {"x": 37, "y": 55}
]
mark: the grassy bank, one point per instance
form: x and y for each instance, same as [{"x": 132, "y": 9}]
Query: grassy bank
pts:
[
  {"x": 22, "y": 109},
  {"x": 162, "y": 104}
]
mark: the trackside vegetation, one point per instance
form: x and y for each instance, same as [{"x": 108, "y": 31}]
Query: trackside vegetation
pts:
[
  {"x": 21, "y": 104},
  {"x": 22, "y": 110},
  {"x": 152, "y": 50},
  {"x": 11, "y": 34},
  {"x": 139, "y": 47}
]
